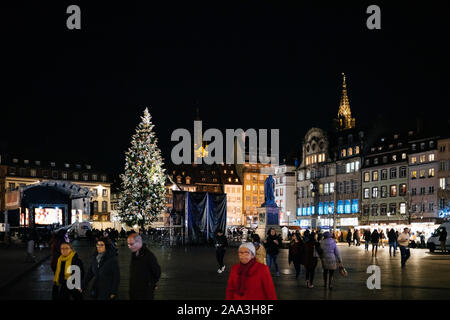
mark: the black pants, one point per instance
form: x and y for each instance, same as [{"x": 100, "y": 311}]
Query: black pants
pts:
[
  {"x": 297, "y": 268},
  {"x": 220, "y": 253},
  {"x": 310, "y": 273},
  {"x": 325, "y": 276},
  {"x": 63, "y": 293}
]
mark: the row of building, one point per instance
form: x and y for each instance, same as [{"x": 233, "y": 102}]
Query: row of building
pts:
[{"x": 348, "y": 176}]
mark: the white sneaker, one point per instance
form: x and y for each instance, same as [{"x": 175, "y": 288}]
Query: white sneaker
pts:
[
  {"x": 223, "y": 268},
  {"x": 219, "y": 271}
]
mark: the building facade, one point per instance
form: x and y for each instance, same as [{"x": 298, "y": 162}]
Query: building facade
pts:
[
  {"x": 423, "y": 181},
  {"x": 17, "y": 172},
  {"x": 443, "y": 176},
  {"x": 285, "y": 193},
  {"x": 385, "y": 181}
]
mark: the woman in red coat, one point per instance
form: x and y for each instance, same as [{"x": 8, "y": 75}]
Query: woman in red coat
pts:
[{"x": 250, "y": 280}]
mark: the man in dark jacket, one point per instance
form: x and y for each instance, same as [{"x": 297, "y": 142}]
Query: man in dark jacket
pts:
[
  {"x": 392, "y": 237},
  {"x": 443, "y": 239},
  {"x": 144, "y": 269},
  {"x": 220, "y": 244},
  {"x": 349, "y": 237},
  {"x": 367, "y": 239}
]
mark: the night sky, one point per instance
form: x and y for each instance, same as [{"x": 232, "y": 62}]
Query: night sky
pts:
[{"x": 79, "y": 94}]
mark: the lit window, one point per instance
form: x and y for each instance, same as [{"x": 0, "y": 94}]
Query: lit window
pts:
[
  {"x": 343, "y": 153},
  {"x": 422, "y": 158},
  {"x": 394, "y": 157},
  {"x": 350, "y": 151},
  {"x": 366, "y": 176},
  {"x": 374, "y": 175},
  {"x": 403, "y": 156},
  {"x": 422, "y": 173},
  {"x": 431, "y": 172},
  {"x": 413, "y": 174},
  {"x": 357, "y": 150},
  {"x": 393, "y": 191},
  {"x": 413, "y": 160},
  {"x": 431, "y": 157},
  {"x": 442, "y": 183}
]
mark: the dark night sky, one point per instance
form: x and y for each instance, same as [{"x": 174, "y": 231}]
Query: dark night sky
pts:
[{"x": 79, "y": 94}]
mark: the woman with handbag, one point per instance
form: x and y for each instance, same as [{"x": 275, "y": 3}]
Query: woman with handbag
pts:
[
  {"x": 311, "y": 254},
  {"x": 330, "y": 259},
  {"x": 104, "y": 268}
]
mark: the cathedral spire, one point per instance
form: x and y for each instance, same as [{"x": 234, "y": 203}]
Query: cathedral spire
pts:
[{"x": 344, "y": 119}]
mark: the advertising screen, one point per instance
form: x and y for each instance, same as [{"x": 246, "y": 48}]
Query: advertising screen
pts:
[{"x": 48, "y": 215}]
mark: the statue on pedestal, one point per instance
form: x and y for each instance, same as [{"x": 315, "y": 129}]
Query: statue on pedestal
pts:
[{"x": 269, "y": 192}]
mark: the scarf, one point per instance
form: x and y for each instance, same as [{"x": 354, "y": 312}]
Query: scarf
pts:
[
  {"x": 68, "y": 261},
  {"x": 243, "y": 271},
  {"x": 99, "y": 258}
]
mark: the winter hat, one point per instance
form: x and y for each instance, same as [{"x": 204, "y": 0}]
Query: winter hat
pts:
[{"x": 249, "y": 246}]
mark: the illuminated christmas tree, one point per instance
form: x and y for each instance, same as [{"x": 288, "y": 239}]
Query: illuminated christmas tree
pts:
[{"x": 143, "y": 183}]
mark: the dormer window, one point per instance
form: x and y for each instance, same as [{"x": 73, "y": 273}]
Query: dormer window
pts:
[
  {"x": 395, "y": 136},
  {"x": 52, "y": 164},
  {"x": 26, "y": 161},
  {"x": 15, "y": 160},
  {"x": 66, "y": 165},
  {"x": 37, "y": 162},
  {"x": 88, "y": 166},
  {"x": 78, "y": 166}
]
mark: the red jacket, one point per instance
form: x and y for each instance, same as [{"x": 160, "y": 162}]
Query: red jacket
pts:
[{"x": 259, "y": 285}]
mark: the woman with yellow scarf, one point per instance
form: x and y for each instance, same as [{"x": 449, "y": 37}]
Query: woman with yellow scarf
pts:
[{"x": 67, "y": 259}]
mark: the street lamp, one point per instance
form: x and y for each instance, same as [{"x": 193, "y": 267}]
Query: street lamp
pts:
[{"x": 288, "y": 214}]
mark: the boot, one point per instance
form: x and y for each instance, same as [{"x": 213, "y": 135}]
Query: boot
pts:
[
  {"x": 325, "y": 280},
  {"x": 330, "y": 284}
]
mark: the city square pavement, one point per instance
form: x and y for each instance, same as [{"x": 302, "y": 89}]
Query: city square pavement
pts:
[{"x": 191, "y": 273}]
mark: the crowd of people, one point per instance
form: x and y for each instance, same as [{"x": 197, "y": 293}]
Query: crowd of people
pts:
[
  {"x": 304, "y": 250},
  {"x": 102, "y": 268}
]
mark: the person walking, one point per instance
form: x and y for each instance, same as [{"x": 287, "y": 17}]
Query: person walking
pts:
[
  {"x": 272, "y": 244},
  {"x": 296, "y": 253},
  {"x": 311, "y": 255},
  {"x": 366, "y": 239},
  {"x": 382, "y": 237},
  {"x": 330, "y": 259},
  {"x": 220, "y": 243},
  {"x": 66, "y": 260},
  {"x": 349, "y": 237},
  {"x": 260, "y": 250},
  {"x": 250, "y": 280},
  {"x": 392, "y": 238},
  {"x": 422, "y": 240},
  {"x": 403, "y": 242},
  {"x": 443, "y": 239},
  {"x": 144, "y": 269},
  {"x": 356, "y": 238},
  {"x": 104, "y": 268},
  {"x": 375, "y": 239}
]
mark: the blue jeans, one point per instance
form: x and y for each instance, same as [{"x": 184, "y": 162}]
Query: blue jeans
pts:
[
  {"x": 366, "y": 243},
  {"x": 273, "y": 258},
  {"x": 405, "y": 252},
  {"x": 392, "y": 245}
]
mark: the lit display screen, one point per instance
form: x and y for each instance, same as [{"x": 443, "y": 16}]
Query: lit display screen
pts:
[{"x": 47, "y": 215}]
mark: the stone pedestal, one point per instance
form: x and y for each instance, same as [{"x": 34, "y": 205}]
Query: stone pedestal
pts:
[{"x": 268, "y": 217}]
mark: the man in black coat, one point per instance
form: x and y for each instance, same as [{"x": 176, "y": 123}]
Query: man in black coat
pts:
[
  {"x": 443, "y": 239},
  {"x": 220, "y": 243},
  {"x": 144, "y": 269}
]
